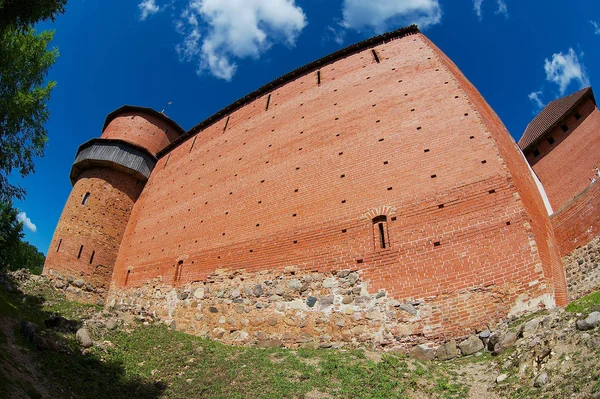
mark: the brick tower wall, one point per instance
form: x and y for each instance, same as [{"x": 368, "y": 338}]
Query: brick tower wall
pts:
[
  {"x": 282, "y": 194},
  {"x": 140, "y": 128},
  {"x": 94, "y": 228},
  {"x": 565, "y": 166}
]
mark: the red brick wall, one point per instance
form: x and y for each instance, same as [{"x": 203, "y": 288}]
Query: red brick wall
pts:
[
  {"x": 98, "y": 225},
  {"x": 536, "y": 221},
  {"x": 578, "y": 222},
  {"x": 144, "y": 130},
  {"x": 298, "y": 184},
  {"x": 564, "y": 167}
]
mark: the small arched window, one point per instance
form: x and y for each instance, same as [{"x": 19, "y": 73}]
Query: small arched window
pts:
[
  {"x": 178, "y": 270},
  {"x": 380, "y": 232},
  {"x": 85, "y": 198}
]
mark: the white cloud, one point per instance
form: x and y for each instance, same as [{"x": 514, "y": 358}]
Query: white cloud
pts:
[
  {"x": 382, "y": 15},
  {"x": 502, "y": 8},
  {"x": 536, "y": 99},
  {"x": 147, "y": 8},
  {"x": 22, "y": 217},
  {"x": 596, "y": 27},
  {"x": 216, "y": 32},
  {"x": 564, "y": 69},
  {"x": 477, "y": 7},
  {"x": 336, "y": 34}
]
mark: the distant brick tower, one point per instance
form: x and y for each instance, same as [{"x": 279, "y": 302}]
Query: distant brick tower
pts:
[{"x": 108, "y": 175}]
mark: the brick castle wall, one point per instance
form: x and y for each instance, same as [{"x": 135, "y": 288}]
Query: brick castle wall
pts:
[
  {"x": 87, "y": 238},
  {"x": 578, "y": 222},
  {"x": 296, "y": 177},
  {"x": 535, "y": 215}
]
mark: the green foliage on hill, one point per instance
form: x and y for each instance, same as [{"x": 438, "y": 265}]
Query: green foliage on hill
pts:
[{"x": 14, "y": 252}]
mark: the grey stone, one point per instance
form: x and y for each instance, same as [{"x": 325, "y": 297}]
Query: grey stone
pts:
[
  {"x": 541, "y": 380},
  {"x": 236, "y": 293},
  {"x": 505, "y": 341},
  {"x": 340, "y": 322},
  {"x": 111, "y": 324},
  {"x": 343, "y": 273},
  {"x": 353, "y": 278},
  {"x": 59, "y": 284},
  {"x": 447, "y": 351},
  {"x": 347, "y": 299},
  {"x": 408, "y": 308},
  {"x": 28, "y": 329},
  {"x": 330, "y": 282},
  {"x": 380, "y": 294},
  {"x": 83, "y": 337},
  {"x": 471, "y": 345},
  {"x": 78, "y": 283},
  {"x": 199, "y": 293},
  {"x": 304, "y": 338},
  {"x": 89, "y": 287},
  {"x": 374, "y": 314},
  {"x": 529, "y": 328},
  {"x": 258, "y": 290},
  {"x": 311, "y": 301},
  {"x": 295, "y": 285},
  {"x": 589, "y": 323},
  {"x": 485, "y": 334},
  {"x": 501, "y": 378},
  {"x": 325, "y": 301},
  {"x": 422, "y": 352},
  {"x": 239, "y": 335},
  {"x": 212, "y": 309}
]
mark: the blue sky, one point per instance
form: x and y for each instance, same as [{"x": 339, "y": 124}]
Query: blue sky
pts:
[{"x": 204, "y": 54}]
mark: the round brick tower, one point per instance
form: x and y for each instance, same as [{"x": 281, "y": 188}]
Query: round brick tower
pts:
[{"x": 108, "y": 175}]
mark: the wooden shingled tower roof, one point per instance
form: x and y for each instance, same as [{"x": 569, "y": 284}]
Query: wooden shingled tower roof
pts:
[{"x": 551, "y": 116}]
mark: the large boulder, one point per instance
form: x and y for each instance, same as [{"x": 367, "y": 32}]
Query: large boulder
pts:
[
  {"x": 83, "y": 337},
  {"x": 471, "y": 345},
  {"x": 447, "y": 351},
  {"x": 589, "y": 323},
  {"x": 422, "y": 352}
]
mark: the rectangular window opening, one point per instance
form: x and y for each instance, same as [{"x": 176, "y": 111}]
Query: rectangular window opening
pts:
[
  {"x": 167, "y": 161},
  {"x": 381, "y": 235},
  {"x": 80, "y": 251},
  {"x": 375, "y": 56},
  {"x": 58, "y": 246},
  {"x": 92, "y": 257},
  {"x": 226, "y": 123},
  {"x": 564, "y": 128},
  {"x": 85, "y": 198},
  {"x": 551, "y": 140},
  {"x": 127, "y": 276},
  {"x": 536, "y": 152},
  {"x": 436, "y": 244},
  {"x": 318, "y": 78},
  {"x": 193, "y": 142},
  {"x": 577, "y": 116},
  {"x": 268, "y": 101}
]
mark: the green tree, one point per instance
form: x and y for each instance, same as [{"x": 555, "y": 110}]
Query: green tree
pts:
[
  {"x": 24, "y": 64},
  {"x": 26, "y": 256},
  {"x": 21, "y": 14},
  {"x": 11, "y": 232}
]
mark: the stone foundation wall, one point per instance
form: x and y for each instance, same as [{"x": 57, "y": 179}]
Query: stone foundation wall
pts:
[
  {"x": 582, "y": 267},
  {"x": 76, "y": 286},
  {"x": 311, "y": 309}
]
